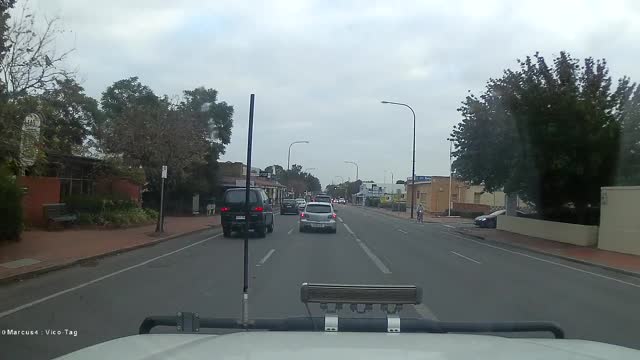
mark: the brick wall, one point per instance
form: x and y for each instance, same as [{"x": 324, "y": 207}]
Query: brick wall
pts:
[
  {"x": 40, "y": 190},
  {"x": 119, "y": 188}
]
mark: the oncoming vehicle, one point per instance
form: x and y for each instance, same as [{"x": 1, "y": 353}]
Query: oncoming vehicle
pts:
[
  {"x": 377, "y": 338},
  {"x": 491, "y": 220},
  {"x": 318, "y": 216},
  {"x": 288, "y": 206},
  {"x": 342, "y": 201},
  {"x": 233, "y": 216}
]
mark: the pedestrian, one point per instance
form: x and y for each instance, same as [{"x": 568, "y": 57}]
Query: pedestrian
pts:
[{"x": 420, "y": 211}]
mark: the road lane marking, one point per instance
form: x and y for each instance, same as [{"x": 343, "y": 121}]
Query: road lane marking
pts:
[
  {"x": 402, "y": 231},
  {"x": 376, "y": 260},
  {"x": 424, "y": 311},
  {"x": 266, "y": 257},
  {"x": 339, "y": 218},
  {"x": 548, "y": 261},
  {"x": 449, "y": 226},
  {"x": 290, "y": 231},
  {"x": 464, "y": 257},
  {"x": 349, "y": 229},
  {"x": 59, "y": 293}
]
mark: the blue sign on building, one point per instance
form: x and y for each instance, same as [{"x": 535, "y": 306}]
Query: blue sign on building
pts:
[{"x": 420, "y": 178}]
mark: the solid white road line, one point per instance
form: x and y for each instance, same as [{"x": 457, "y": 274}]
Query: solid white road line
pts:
[
  {"x": 548, "y": 261},
  {"x": 425, "y": 312},
  {"x": 339, "y": 218},
  {"x": 266, "y": 257},
  {"x": 55, "y": 295},
  {"x": 464, "y": 257},
  {"x": 290, "y": 231},
  {"x": 449, "y": 226},
  {"x": 402, "y": 231}
]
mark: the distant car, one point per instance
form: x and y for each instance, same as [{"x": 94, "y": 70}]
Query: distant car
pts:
[
  {"x": 232, "y": 212},
  {"x": 342, "y": 201},
  {"x": 288, "y": 206},
  {"x": 318, "y": 216},
  {"x": 323, "y": 199},
  {"x": 491, "y": 220},
  {"x": 301, "y": 203}
]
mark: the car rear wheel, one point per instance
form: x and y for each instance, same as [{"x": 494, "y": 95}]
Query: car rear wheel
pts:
[{"x": 270, "y": 228}]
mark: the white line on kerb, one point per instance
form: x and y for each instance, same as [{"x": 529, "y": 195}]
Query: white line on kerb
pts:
[
  {"x": 548, "y": 261},
  {"x": 464, "y": 257},
  {"x": 266, "y": 257},
  {"x": 402, "y": 231},
  {"x": 55, "y": 295},
  {"x": 290, "y": 231}
]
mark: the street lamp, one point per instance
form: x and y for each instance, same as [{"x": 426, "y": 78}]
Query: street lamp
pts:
[
  {"x": 413, "y": 169},
  {"x": 354, "y": 163},
  {"x": 289, "y": 156}
]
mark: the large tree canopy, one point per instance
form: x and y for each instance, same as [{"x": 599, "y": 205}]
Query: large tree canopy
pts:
[{"x": 549, "y": 132}]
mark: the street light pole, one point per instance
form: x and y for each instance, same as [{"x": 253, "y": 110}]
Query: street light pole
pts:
[
  {"x": 413, "y": 168},
  {"x": 450, "y": 177},
  {"x": 290, "y": 145},
  {"x": 354, "y": 163}
]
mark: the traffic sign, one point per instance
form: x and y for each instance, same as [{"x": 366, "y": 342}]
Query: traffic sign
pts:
[{"x": 164, "y": 171}]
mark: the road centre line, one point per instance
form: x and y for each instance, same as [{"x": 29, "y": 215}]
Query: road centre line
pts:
[
  {"x": 339, "y": 218},
  {"x": 547, "y": 261},
  {"x": 266, "y": 257},
  {"x": 349, "y": 229},
  {"x": 464, "y": 257},
  {"x": 77, "y": 287},
  {"x": 376, "y": 260},
  {"x": 402, "y": 231}
]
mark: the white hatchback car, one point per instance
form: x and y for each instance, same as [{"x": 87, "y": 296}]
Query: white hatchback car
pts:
[{"x": 318, "y": 216}]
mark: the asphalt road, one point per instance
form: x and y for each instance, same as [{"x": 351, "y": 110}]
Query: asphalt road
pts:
[{"x": 462, "y": 279}]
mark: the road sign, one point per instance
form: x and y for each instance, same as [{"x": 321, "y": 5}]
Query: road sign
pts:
[{"x": 164, "y": 171}]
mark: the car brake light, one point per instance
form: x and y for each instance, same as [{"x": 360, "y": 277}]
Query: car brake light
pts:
[
  {"x": 224, "y": 209},
  {"x": 258, "y": 209},
  {"x": 301, "y": 215},
  {"x": 333, "y": 215}
]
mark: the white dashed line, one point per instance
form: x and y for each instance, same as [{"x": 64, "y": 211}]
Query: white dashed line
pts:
[
  {"x": 464, "y": 257},
  {"x": 290, "y": 231},
  {"x": 77, "y": 287},
  {"x": 424, "y": 311},
  {"x": 548, "y": 261},
  {"x": 376, "y": 260},
  {"x": 349, "y": 229},
  {"x": 339, "y": 218},
  {"x": 449, "y": 226},
  {"x": 402, "y": 231},
  {"x": 266, "y": 257}
]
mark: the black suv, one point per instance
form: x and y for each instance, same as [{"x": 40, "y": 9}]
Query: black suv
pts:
[{"x": 232, "y": 212}]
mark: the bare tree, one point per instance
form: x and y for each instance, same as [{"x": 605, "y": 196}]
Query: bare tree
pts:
[{"x": 32, "y": 63}]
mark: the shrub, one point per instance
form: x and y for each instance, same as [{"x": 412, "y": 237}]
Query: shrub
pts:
[
  {"x": 97, "y": 204},
  {"x": 135, "y": 216},
  {"x": 10, "y": 208},
  {"x": 86, "y": 218}
]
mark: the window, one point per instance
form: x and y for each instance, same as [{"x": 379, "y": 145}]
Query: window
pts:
[
  {"x": 318, "y": 209},
  {"x": 237, "y": 197},
  {"x": 454, "y": 197}
]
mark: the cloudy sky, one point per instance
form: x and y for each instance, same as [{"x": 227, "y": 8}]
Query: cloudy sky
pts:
[{"x": 320, "y": 68}]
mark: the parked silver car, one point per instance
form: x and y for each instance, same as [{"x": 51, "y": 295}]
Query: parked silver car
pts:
[{"x": 318, "y": 216}]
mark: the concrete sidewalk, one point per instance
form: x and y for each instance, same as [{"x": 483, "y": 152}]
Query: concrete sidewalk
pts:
[
  {"x": 40, "y": 251},
  {"x": 618, "y": 262},
  {"x": 427, "y": 218}
]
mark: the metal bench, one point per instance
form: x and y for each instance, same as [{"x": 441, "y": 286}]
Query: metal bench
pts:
[{"x": 58, "y": 213}]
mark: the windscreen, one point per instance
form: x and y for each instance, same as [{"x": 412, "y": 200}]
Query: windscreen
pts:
[
  {"x": 289, "y": 201},
  {"x": 323, "y": 199},
  {"x": 318, "y": 209}
]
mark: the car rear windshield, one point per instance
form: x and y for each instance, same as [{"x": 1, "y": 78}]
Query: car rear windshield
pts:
[
  {"x": 320, "y": 209},
  {"x": 237, "y": 197},
  {"x": 323, "y": 198},
  {"x": 289, "y": 201}
]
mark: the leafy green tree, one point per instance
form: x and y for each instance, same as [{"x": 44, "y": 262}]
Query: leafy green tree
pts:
[{"x": 549, "y": 132}]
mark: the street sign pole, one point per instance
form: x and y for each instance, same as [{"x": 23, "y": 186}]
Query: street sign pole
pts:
[{"x": 164, "y": 176}]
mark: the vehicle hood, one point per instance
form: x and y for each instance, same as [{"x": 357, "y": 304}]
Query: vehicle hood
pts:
[
  {"x": 334, "y": 346},
  {"x": 481, "y": 217}
]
